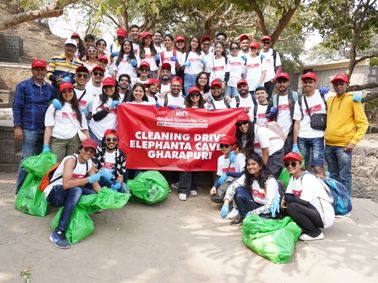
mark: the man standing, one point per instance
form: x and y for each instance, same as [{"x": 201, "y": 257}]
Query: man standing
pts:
[
  {"x": 134, "y": 37},
  {"x": 30, "y": 103},
  {"x": 262, "y": 105},
  {"x": 273, "y": 61},
  {"x": 244, "y": 45},
  {"x": 157, "y": 39},
  {"x": 205, "y": 48},
  {"x": 174, "y": 97},
  {"x": 116, "y": 45},
  {"x": 245, "y": 99},
  {"x": 165, "y": 78},
  {"x": 346, "y": 126},
  {"x": 62, "y": 68}
]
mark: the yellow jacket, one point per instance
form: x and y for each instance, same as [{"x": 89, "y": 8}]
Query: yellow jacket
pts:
[{"x": 346, "y": 121}]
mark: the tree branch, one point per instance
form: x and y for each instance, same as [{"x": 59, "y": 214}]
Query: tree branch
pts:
[
  {"x": 362, "y": 87},
  {"x": 363, "y": 58}
]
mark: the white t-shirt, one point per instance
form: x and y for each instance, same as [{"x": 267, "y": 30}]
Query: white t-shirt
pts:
[
  {"x": 108, "y": 122},
  {"x": 136, "y": 48},
  {"x": 206, "y": 57},
  {"x": 224, "y": 165},
  {"x": 64, "y": 122},
  {"x": 309, "y": 188},
  {"x": 260, "y": 114},
  {"x": 164, "y": 88},
  {"x": 218, "y": 68},
  {"x": 315, "y": 105},
  {"x": 167, "y": 58},
  {"x": 109, "y": 160},
  {"x": 219, "y": 104},
  {"x": 86, "y": 100},
  {"x": 268, "y": 57},
  {"x": 124, "y": 67},
  {"x": 254, "y": 68},
  {"x": 152, "y": 99},
  {"x": 149, "y": 58},
  {"x": 237, "y": 69},
  {"x": 79, "y": 172},
  {"x": 159, "y": 48},
  {"x": 195, "y": 63},
  {"x": 284, "y": 118},
  {"x": 265, "y": 138},
  {"x": 93, "y": 91},
  {"x": 247, "y": 102},
  {"x": 172, "y": 100}
]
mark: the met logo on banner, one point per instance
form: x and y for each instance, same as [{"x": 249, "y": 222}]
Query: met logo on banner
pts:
[{"x": 182, "y": 113}]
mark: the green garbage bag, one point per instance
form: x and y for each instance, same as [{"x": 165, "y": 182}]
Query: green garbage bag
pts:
[
  {"x": 284, "y": 177},
  {"x": 111, "y": 199},
  {"x": 149, "y": 187},
  {"x": 273, "y": 239},
  {"x": 30, "y": 199},
  {"x": 39, "y": 164},
  {"x": 80, "y": 227}
]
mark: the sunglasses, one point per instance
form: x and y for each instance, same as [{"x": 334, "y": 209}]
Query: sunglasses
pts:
[
  {"x": 292, "y": 164},
  {"x": 266, "y": 42},
  {"x": 111, "y": 139},
  {"x": 101, "y": 74},
  {"x": 85, "y": 76},
  {"x": 224, "y": 145},
  {"x": 195, "y": 95},
  {"x": 144, "y": 70},
  {"x": 242, "y": 123}
]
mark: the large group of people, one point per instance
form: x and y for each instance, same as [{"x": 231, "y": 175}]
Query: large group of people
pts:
[{"x": 69, "y": 107}]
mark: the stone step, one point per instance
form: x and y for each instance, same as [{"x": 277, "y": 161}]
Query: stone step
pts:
[{"x": 4, "y": 167}]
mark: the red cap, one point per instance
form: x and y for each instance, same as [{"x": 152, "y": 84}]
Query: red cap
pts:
[
  {"x": 103, "y": 58},
  {"x": 340, "y": 77},
  {"x": 145, "y": 34},
  {"x": 180, "y": 38},
  {"x": 98, "y": 68},
  {"x": 205, "y": 38},
  {"x": 293, "y": 156},
  {"x": 243, "y": 117},
  {"x": 215, "y": 83},
  {"x": 254, "y": 44},
  {"x": 82, "y": 68},
  {"x": 121, "y": 32},
  {"x": 243, "y": 37},
  {"x": 266, "y": 38},
  {"x": 89, "y": 143},
  {"x": 65, "y": 85},
  {"x": 194, "y": 89},
  {"x": 176, "y": 79},
  {"x": 166, "y": 66},
  {"x": 242, "y": 82},
  {"x": 39, "y": 63},
  {"x": 153, "y": 81},
  {"x": 309, "y": 75},
  {"x": 75, "y": 34},
  {"x": 283, "y": 76},
  {"x": 108, "y": 81},
  {"x": 144, "y": 64},
  {"x": 110, "y": 132},
  {"x": 226, "y": 140}
]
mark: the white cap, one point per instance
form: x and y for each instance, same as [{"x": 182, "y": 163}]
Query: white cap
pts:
[{"x": 71, "y": 41}]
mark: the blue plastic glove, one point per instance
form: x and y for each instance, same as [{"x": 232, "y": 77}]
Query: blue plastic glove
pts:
[
  {"x": 224, "y": 211},
  {"x": 66, "y": 79},
  {"x": 275, "y": 207},
  {"x": 222, "y": 179},
  {"x": 187, "y": 64},
  {"x": 357, "y": 97},
  {"x": 232, "y": 156},
  {"x": 158, "y": 105},
  {"x": 57, "y": 104},
  {"x": 116, "y": 186},
  {"x": 273, "y": 111},
  {"x": 252, "y": 212},
  {"x": 133, "y": 63},
  {"x": 173, "y": 107},
  {"x": 174, "y": 58},
  {"x": 157, "y": 57},
  {"x": 107, "y": 174},
  {"x": 115, "y": 54},
  {"x": 323, "y": 90},
  {"x": 46, "y": 148},
  {"x": 203, "y": 62},
  {"x": 295, "y": 148},
  {"x": 244, "y": 58},
  {"x": 262, "y": 57},
  {"x": 258, "y": 85},
  {"x": 94, "y": 178},
  {"x": 114, "y": 104},
  {"x": 85, "y": 112}
]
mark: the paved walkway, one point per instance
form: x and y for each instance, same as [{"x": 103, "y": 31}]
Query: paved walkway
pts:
[{"x": 179, "y": 242}]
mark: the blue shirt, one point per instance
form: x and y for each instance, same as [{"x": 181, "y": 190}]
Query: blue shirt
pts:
[{"x": 30, "y": 104}]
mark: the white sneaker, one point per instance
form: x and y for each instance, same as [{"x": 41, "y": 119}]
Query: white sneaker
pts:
[
  {"x": 233, "y": 214},
  {"x": 344, "y": 216},
  {"x": 305, "y": 237},
  {"x": 182, "y": 197},
  {"x": 193, "y": 193}
]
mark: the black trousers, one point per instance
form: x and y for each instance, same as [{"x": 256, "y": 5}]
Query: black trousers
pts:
[
  {"x": 186, "y": 182},
  {"x": 306, "y": 217}
]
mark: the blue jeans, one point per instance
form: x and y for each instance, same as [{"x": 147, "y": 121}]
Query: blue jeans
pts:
[
  {"x": 106, "y": 183},
  {"x": 68, "y": 199},
  {"x": 232, "y": 91},
  {"x": 340, "y": 165},
  {"x": 313, "y": 151},
  {"x": 31, "y": 145},
  {"x": 189, "y": 81},
  {"x": 244, "y": 201}
]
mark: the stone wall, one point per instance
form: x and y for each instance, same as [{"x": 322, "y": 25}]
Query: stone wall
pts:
[
  {"x": 365, "y": 168},
  {"x": 11, "y": 48},
  {"x": 10, "y": 149}
]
